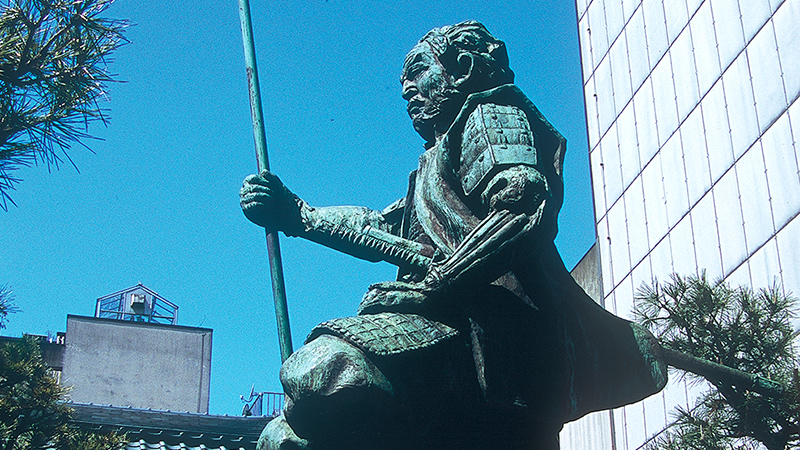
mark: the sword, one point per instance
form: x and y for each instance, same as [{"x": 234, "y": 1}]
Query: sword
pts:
[{"x": 273, "y": 245}]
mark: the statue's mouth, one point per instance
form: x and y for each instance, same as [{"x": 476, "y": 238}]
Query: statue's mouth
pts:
[{"x": 414, "y": 108}]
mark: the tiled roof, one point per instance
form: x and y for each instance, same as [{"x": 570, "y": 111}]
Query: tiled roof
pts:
[
  {"x": 151, "y": 429},
  {"x": 142, "y": 445}
]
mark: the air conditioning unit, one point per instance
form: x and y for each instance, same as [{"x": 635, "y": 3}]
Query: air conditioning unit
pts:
[{"x": 138, "y": 302}]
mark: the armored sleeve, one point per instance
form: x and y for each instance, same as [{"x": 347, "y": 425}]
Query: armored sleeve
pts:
[
  {"x": 502, "y": 176},
  {"x": 499, "y": 164}
]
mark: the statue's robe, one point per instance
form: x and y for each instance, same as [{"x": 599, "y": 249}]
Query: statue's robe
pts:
[{"x": 538, "y": 343}]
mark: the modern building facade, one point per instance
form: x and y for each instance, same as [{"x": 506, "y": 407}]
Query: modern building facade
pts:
[{"x": 693, "y": 126}]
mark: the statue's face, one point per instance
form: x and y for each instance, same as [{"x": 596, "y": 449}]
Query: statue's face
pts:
[{"x": 427, "y": 87}]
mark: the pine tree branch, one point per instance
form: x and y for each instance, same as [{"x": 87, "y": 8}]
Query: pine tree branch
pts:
[{"x": 53, "y": 59}]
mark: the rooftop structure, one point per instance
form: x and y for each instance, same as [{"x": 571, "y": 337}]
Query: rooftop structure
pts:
[{"x": 138, "y": 304}]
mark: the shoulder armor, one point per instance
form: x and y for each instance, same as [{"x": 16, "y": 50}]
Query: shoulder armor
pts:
[{"x": 495, "y": 136}]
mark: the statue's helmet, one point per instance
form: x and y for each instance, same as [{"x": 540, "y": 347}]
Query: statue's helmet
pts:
[{"x": 471, "y": 39}]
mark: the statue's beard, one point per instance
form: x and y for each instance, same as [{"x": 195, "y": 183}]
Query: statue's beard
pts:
[{"x": 435, "y": 118}]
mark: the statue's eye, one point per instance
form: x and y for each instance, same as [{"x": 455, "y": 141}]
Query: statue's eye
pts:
[{"x": 416, "y": 69}]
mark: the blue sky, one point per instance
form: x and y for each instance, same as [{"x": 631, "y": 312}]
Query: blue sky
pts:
[{"x": 157, "y": 202}]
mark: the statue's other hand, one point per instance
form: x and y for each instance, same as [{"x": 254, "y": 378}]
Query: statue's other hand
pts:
[
  {"x": 518, "y": 189},
  {"x": 268, "y": 203},
  {"x": 394, "y": 296}
]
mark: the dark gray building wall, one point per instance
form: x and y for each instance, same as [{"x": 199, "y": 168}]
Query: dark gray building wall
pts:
[
  {"x": 588, "y": 275},
  {"x": 141, "y": 365}
]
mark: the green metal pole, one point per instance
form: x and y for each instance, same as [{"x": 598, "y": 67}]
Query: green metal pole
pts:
[{"x": 273, "y": 246}]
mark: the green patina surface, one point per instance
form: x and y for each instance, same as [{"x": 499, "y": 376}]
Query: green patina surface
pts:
[{"x": 483, "y": 340}]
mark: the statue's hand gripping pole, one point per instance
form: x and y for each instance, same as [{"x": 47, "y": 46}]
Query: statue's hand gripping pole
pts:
[{"x": 273, "y": 247}]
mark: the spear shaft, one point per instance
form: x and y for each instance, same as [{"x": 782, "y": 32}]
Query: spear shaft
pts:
[{"x": 273, "y": 245}]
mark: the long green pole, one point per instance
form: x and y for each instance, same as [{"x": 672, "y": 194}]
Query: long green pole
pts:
[{"x": 273, "y": 246}]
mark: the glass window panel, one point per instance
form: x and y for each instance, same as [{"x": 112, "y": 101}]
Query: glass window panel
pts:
[
  {"x": 620, "y": 259},
  {"x": 611, "y": 302},
  {"x": 741, "y": 105},
  {"x": 706, "y": 240},
  {"x": 655, "y": 29},
  {"x": 597, "y": 183},
  {"x": 675, "y": 195},
  {"x": 758, "y": 225},
  {"x": 642, "y": 275},
  {"x": 592, "y": 121},
  {"x": 765, "y": 269},
  {"x": 695, "y": 158},
  {"x": 754, "y": 14},
  {"x": 789, "y": 253},
  {"x": 718, "y": 135},
  {"x": 637, "y": 222},
  {"x": 614, "y": 19},
  {"x": 681, "y": 240},
  {"x": 661, "y": 260},
  {"x": 581, "y": 6},
  {"x": 794, "y": 120},
  {"x": 694, "y": 390},
  {"x": 624, "y": 297},
  {"x": 692, "y": 6},
  {"x": 677, "y": 18},
  {"x": 611, "y": 165},
  {"x": 592, "y": 432},
  {"x": 675, "y": 394},
  {"x": 766, "y": 72},
  {"x": 628, "y": 8},
  {"x": 664, "y": 94},
  {"x": 729, "y": 222},
  {"x": 604, "y": 244},
  {"x": 605, "y": 95},
  {"x": 644, "y": 109},
  {"x": 621, "y": 428},
  {"x": 728, "y": 26},
  {"x": 775, "y": 4},
  {"x": 704, "y": 43},
  {"x": 740, "y": 276},
  {"x": 586, "y": 47},
  {"x": 637, "y": 49},
  {"x": 787, "y": 32},
  {"x": 684, "y": 74},
  {"x": 597, "y": 30},
  {"x": 780, "y": 158},
  {"x": 654, "y": 207},
  {"x": 634, "y": 419},
  {"x": 628, "y": 145},
  {"x": 620, "y": 72}
]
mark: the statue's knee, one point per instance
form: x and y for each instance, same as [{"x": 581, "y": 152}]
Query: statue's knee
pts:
[
  {"x": 328, "y": 365},
  {"x": 329, "y": 384}
]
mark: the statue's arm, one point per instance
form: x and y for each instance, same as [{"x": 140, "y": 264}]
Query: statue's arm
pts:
[
  {"x": 361, "y": 232},
  {"x": 502, "y": 241},
  {"x": 513, "y": 193}
]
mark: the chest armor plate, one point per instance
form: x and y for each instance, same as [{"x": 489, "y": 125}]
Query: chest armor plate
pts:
[{"x": 495, "y": 137}]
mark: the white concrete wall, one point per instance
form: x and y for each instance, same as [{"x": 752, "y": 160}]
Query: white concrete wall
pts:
[{"x": 123, "y": 363}]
